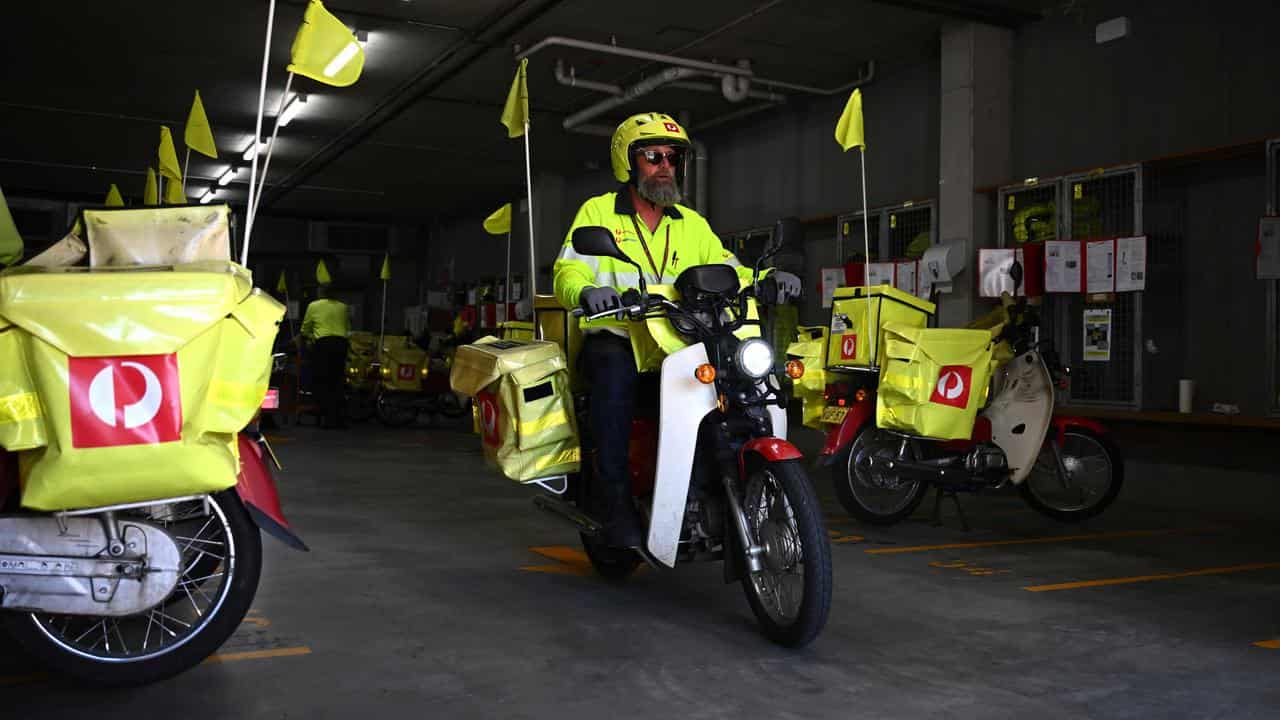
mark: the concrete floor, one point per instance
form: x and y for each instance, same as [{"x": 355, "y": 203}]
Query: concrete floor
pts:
[{"x": 424, "y": 596}]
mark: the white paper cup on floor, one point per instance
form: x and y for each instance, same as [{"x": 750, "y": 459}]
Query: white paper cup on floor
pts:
[{"x": 1186, "y": 391}]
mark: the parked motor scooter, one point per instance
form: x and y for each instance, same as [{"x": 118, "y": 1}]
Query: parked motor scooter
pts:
[
  {"x": 409, "y": 387},
  {"x": 1067, "y": 468},
  {"x": 713, "y": 476}
]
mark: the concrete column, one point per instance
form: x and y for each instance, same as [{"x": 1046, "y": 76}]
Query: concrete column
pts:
[{"x": 974, "y": 149}]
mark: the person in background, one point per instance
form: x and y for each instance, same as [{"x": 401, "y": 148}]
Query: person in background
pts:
[{"x": 324, "y": 328}]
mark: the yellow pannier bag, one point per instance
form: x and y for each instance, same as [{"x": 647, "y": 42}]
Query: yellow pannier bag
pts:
[
  {"x": 21, "y": 418},
  {"x": 144, "y": 375},
  {"x": 556, "y": 325},
  {"x": 403, "y": 363},
  {"x": 934, "y": 381},
  {"x": 810, "y": 348},
  {"x": 516, "y": 330},
  {"x": 524, "y": 406},
  {"x": 849, "y": 343}
]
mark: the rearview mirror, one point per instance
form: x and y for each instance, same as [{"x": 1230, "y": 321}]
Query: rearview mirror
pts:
[
  {"x": 598, "y": 242},
  {"x": 786, "y": 232},
  {"x": 1015, "y": 272}
]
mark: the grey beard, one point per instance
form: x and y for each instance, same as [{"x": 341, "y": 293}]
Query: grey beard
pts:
[{"x": 659, "y": 192}]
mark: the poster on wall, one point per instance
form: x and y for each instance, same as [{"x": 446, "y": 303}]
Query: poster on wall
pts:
[
  {"x": 1062, "y": 266},
  {"x": 905, "y": 279},
  {"x": 1131, "y": 264},
  {"x": 880, "y": 273},
  {"x": 994, "y": 265},
  {"x": 832, "y": 278},
  {"x": 1100, "y": 266},
  {"x": 1268, "y": 249},
  {"x": 1097, "y": 335}
]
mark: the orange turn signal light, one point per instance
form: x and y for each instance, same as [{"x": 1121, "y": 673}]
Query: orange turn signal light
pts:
[
  {"x": 860, "y": 395},
  {"x": 706, "y": 373},
  {"x": 795, "y": 369}
]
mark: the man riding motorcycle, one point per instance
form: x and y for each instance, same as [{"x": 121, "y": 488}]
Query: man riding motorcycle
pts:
[{"x": 647, "y": 153}]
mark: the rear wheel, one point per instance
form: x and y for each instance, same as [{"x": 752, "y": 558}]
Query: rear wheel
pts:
[
  {"x": 791, "y": 594},
  {"x": 874, "y": 496},
  {"x": 1094, "y": 474},
  {"x": 394, "y": 411},
  {"x": 222, "y": 560}
]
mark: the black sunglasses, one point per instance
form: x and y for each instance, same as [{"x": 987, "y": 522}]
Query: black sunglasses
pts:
[{"x": 654, "y": 157}]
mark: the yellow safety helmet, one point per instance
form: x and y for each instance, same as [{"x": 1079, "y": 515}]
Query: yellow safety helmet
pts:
[{"x": 640, "y": 130}]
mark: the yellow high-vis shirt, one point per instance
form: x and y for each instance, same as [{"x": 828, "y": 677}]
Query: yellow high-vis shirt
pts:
[{"x": 325, "y": 318}]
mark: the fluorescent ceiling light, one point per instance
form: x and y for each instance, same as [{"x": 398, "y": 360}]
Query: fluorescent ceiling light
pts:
[
  {"x": 206, "y": 198},
  {"x": 252, "y": 151},
  {"x": 362, "y": 37},
  {"x": 340, "y": 61},
  {"x": 292, "y": 108},
  {"x": 225, "y": 178}
]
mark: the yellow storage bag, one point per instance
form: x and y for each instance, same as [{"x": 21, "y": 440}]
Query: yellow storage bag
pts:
[
  {"x": 516, "y": 330},
  {"x": 523, "y": 404},
  {"x": 21, "y": 417},
  {"x": 849, "y": 343},
  {"x": 556, "y": 325},
  {"x": 403, "y": 363},
  {"x": 934, "y": 381},
  {"x": 810, "y": 348},
  {"x": 120, "y": 237},
  {"x": 143, "y": 376}
]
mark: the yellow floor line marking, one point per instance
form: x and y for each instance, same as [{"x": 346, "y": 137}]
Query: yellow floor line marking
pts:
[
  {"x": 1269, "y": 644},
  {"x": 1025, "y": 541},
  {"x": 258, "y": 621},
  {"x": 1150, "y": 578},
  {"x": 256, "y": 655},
  {"x": 570, "y": 561}
]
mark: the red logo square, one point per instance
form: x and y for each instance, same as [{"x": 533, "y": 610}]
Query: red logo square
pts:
[
  {"x": 671, "y": 127},
  {"x": 953, "y": 386},
  {"x": 849, "y": 347},
  {"x": 129, "y": 400},
  {"x": 407, "y": 372},
  {"x": 488, "y": 405}
]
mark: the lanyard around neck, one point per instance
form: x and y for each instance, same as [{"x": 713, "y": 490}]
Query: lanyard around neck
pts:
[{"x": 658, "y": 272}]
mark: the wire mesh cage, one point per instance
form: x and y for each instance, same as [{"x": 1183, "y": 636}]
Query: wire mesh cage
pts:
[
  {"x": 911, "y": 229},
  {"x": 1029, "y": 212},
  {"x": 748, "y": 244},
  {"x": 849, "y": 236}
]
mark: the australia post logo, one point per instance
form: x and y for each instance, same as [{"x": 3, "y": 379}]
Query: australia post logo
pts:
[
  {"x": 407, "y": 372},
  {"x": 489, "y": 418},
  {"x": 129, "y": 400},
  {"x": 849, "y": 347},
  {"x": 953, "y": 386}
]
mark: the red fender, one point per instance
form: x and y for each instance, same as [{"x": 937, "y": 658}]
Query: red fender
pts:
[
  {"x": 841, "y": 436},
  {"x": 257, "y": 489},
  {"x": 772, "y": 449},
  {"x": 1060, "y": 424}
]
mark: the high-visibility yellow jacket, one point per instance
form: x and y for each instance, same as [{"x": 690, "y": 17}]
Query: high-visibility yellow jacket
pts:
[
  {"x": 683, "y": 239},
  {"x": 325, "y": 318}
]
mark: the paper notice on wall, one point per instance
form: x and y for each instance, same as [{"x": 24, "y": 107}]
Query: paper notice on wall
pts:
[
  {"x": 1131, "y": 264},
  {"x": 472, "y": 294},
  {"x": 1062, "y": 266},
  {"x": 1097, "y": 335},
  {"x": 905, "y": 279},
  {"x": 1269, "y": 248},
  {"x": 1100, "y": 266},
  {"x": 501, "y": 312},
  {"x": 517, "y": 291},
  {"x": 994, "y": 266},
  {"x": 832, "y": 278},
  {"x": 880, "y": 273}
]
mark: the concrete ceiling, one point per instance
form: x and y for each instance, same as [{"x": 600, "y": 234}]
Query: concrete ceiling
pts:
[{"x": 88, "y": 84}]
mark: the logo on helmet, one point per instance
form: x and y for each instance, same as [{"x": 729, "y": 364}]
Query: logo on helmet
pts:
[{"x": 671, "y": 127}]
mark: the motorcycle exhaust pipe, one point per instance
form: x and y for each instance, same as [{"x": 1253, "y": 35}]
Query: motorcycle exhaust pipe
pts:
[{"x": 565, "y": 511}]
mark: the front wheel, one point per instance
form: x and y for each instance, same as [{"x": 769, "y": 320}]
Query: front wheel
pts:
[
  {"x": 791, "y": 594},
  {"x": 222, "y": 560},
  {"x": 613, "y": 564},
  {"x": 874, "y": 496},
  {"x": 1094, "y": 472},
  {"x": 394, "y": 412}
]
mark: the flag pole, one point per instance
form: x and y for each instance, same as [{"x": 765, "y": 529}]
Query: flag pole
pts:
[
  {"x": 257, "y": 133},
  {"x": 185, "y": 164},
  {"x": 160, "y": 189},
  {"x": 382, "y": 328},
  {"x": 271, "y": 145},
  {"x": 528, "y": 176},
  {"x": 866, "y": 256},
  {"x": 509, "y": 298}
]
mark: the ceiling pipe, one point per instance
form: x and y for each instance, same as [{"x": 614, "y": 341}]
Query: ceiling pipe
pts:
[
  {"x": 561, "y": 41},
  {"x": 735, "y": 89},
  {"x": 866, "y": 76},
  {"x": 710, "y": 88},
  {"x": 640, "y": 89},
  {"x": 570, "y": 79},
  {"x": 566, "y": 75}
]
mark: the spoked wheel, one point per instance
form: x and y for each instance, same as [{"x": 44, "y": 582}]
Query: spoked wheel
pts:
[
  {"x": 392, "y": 412},
  {"x": 1094, "y": 472},
  {"x": 791, "y": 594},
  {"x": 360, "y": 405},
  {"x": 222, "y": 559},
  {"x": 874, "y": 496}
]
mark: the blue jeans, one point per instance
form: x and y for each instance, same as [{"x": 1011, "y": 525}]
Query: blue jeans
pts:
[{"x": 609, "y": 367}]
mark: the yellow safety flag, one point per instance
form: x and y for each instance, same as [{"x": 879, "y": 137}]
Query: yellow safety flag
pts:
[
  {"x": 169, "y": 166},
  {"x": 113, "y": 197},
  {"x": 515, "y": 114},
  {"x": 198, "y": 135},
  {"x": 174, "y": 194},
  {"x": 849, "y": 131},
  {"x": 322, "y": 273},
  {"x": 325, "y": 50},
  {"x": 151, "y": 194},
  {"x": 282, "y": 286},
  {"x": 385, "y": 274},
  {"x": 10, "y": 240},
  {"x": 499, "y": 223}
]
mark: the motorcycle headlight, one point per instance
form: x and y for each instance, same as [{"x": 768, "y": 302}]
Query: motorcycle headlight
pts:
[
  {"x": 423, "y": 371},
  {"x": 754, "y": 358}
]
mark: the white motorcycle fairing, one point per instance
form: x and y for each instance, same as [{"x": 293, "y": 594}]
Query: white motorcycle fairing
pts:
[
  {"x": 1021, "y": 412},
  {"x": 683, "y": 403}
]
